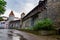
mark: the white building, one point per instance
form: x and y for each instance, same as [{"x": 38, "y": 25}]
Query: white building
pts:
[
  {"x": 11, "y": 16},
  {"x": 5, "y": 23}
]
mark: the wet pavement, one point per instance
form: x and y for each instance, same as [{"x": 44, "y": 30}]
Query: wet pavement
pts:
[{"x": 10, "y": 34}]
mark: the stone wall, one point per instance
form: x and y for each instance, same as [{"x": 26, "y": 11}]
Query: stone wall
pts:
[
  {"x": 42, "y": 15},
  {"x": 15, "y": 24},
  {"x": 53, "y": 11},
  {"x": 26, "y": 23}
]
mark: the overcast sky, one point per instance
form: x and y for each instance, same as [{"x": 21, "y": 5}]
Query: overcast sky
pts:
[{"x": 19, "y": 6}]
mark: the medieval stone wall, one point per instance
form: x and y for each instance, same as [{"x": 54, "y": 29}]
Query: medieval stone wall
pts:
[
  {"x": 53, "y": 11},
  {"x": 26, "y": 23},
  {"x": 42, "y": 15}
]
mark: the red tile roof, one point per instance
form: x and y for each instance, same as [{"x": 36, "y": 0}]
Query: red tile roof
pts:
[{"x": 11, "y": 13}]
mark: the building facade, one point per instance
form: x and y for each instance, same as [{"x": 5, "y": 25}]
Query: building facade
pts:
[
  {"x": 3, "y": 24},
  {"x": 45, "y": 9},
  {"x": 13, "y": 21},
  {"x": 9, "y": 21},
  {"x": 11, "y": 16},
  {"x": 14, "y": 24}
]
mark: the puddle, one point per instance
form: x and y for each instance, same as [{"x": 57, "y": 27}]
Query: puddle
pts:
[
  {"x": 15, "y": 36},
  {"x": 10, "y": 35}
]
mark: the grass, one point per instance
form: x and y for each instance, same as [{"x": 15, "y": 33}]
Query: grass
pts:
[
  {"x": 35, "y": 32},
  {"x": 29, "y": 31}
]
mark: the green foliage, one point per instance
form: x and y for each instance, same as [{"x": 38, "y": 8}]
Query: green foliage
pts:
[
  {"x": 45, "y": 24},
  {"x": 1, "y": 19},
  {"x": 2, "y": 6}
]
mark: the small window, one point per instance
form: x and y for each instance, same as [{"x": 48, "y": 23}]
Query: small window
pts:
[{"x": 3, "y": 23}]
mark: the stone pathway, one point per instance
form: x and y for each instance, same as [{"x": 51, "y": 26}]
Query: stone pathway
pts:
[{"x": 30, "y": 36}]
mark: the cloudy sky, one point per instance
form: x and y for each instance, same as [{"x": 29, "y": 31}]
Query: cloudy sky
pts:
[{"x": 19, "y": 6}]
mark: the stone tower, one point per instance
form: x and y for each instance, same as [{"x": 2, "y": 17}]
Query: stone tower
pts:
[
  {"x": 42, "y": 3},
  {"x": 53, "y": 11},
  {"x": 11, "y": 16},
  {"x": 22, "y": 15}
]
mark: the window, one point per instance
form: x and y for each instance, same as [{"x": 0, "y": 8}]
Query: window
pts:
[
  {"x": 34, "y": 19},
  {"x": 3, "y": 23}
]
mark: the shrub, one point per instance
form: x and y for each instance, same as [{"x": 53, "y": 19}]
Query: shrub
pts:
[{"x": 46, "y": 24}]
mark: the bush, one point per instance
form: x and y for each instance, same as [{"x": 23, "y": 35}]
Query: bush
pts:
[{"x": 46, "y": 24}]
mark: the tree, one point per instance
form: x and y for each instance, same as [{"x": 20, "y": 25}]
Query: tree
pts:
[
  {"x": 2, "y": 6},
  {"x": 1, "y": 19}
]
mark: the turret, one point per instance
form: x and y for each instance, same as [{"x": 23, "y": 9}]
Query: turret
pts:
[
  {"x": 11, "y": 16},
  {"x": 22, "y": 15},
  {"x": 42, "y": 3}
]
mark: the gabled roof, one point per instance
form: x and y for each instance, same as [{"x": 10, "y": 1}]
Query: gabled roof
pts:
[{"x": 11, "y": 13}]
